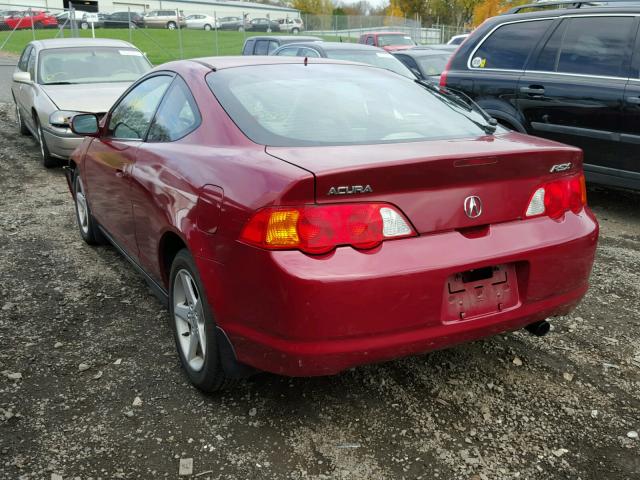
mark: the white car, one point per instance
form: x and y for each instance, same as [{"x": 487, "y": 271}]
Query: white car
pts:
[
  {"x": 201, "y": 21},
  {"x": 457, "y": 39}
]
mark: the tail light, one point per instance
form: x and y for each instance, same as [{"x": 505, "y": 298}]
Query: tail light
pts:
[
  {"x": 445, "y": 72},
  {"x": 319, "y": 229},
  {"x": 556, "y": 198}
]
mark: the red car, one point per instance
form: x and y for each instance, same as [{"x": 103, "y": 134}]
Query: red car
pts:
[
  {"x": 390, "y": 41},
  {"x": 303, "y": 216},
  {"x": 27, "y": 19}
]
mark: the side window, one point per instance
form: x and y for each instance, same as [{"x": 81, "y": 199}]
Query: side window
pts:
[
  {"x": 272, "y": 47},
  {"x": 24, "y": 58},
  {"x": 288, "y": 52},
  {"x": 508, "y": 47},
  {"x": 596, "y": 46},
  {"x": 548, "y": 57},
  {"x": 262, "y": 47},
  {"x": 177, "y": 115},
  {"x": 308, "y": 52},
  {"x": 370, "y": 41},
  {"x": 248, "y": 47},
  {"x": 31, "y": 64},
  {"x": 131, "y": 118}
]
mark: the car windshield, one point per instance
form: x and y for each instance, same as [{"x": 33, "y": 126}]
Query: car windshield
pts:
[
  {"x": 433, "y": 64},
  {"x": 296, "y": 105},
  {"x": 386, "y": 40},
  {"x": 91, "y": 65},
  {"x": 378, "y": 59}
]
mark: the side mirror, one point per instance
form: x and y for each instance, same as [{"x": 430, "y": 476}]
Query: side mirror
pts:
[
  {"x": 22, "y": 77},
  {"x": 85, "y": 124}
]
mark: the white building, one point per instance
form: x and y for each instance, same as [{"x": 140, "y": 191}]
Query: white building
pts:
[{"x": 221, "y": 8}]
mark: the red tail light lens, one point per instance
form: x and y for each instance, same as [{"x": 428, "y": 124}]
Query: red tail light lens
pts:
[
  {"x": 556, "y": 198},
  {"x": 319, "y": 229}
]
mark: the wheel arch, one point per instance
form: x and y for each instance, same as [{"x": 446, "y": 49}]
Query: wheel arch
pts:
[
  {"x": 503, "y": 112},
  {"x": 170, "y": 244}
]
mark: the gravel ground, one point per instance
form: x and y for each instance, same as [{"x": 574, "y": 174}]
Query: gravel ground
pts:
[{"x": 91, "y": 386}]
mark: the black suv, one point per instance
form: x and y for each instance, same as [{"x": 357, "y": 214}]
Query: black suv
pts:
[{"x": 569, "y": 74}]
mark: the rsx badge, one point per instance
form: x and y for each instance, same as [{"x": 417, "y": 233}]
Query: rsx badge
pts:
[
  {"x": 560, "y": 167},
  {"x": 350, "y": 190}
]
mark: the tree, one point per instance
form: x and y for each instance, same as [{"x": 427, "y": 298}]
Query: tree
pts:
[
  {"x": 491, "y": 8},
  {"x": 314, "y": 7}
]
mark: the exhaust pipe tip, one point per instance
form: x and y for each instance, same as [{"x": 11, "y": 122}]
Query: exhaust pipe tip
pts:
[{"x": 539, "y": 329}]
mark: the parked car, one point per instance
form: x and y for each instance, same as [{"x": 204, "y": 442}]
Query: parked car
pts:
[
  {"x": 565, "y": 74},
  {"x": 426, "y": 64},
  {"x": 390, "y": 41},
  {"x": 56, "y": 78},
  {"x": 164, "y": 19},
  {"x": 266, "y": 45},
  {"x": 201, "y": 21},
  {"x": 291, "y": 25},
  {"x": 123, "y": 20},
  {"x": 351, "y": 52},
  {"x": 29, "y": 18},
  {"x": 64, "y": 20},
  {"x": 443, "y": 47},
  {"x": 457, "y": 39},
  {"x": 262, "y": 25},
  {"x": 231, "y": 23},
  {"x": 304, "y": 219}
]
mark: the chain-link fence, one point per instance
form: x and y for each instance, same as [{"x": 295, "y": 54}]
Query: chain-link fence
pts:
[{"x": 195, "y": 30}]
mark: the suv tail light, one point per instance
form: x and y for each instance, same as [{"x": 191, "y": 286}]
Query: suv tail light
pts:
[
  {"x": 445, "y": 72},
  {"x": 556, "y": 198},
  {"x": 319, "y": 229}
]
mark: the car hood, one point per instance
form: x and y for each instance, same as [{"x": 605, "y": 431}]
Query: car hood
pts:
[
  {"x": 396, "y": 48},
  {"x": 90, "y": 97}
]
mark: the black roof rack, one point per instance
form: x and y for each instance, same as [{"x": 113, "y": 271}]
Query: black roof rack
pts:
[{"x": 568, "y": 4}]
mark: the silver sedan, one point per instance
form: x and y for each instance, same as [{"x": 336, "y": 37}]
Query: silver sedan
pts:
[
  {"x": 57, "y": 78},
  {"x": 202, "y": 21}
]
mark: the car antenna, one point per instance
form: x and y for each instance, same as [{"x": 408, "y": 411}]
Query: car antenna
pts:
[{"x": 306, "y": 60}]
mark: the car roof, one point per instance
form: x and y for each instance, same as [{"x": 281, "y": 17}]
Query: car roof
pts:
[
  {"x": 384, "y": 33},
  {"x": 333, "y": 46},
  {"x": 280, "y": 38},
  {"x": 79, "y": 42},
  {"x": 423, "y": 52},
  {"x": 221, "y": 63},
  {"x": 560, "y": 12}
]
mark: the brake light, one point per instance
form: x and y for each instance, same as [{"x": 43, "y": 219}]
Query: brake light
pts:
[
  {"x": 319, "y": 229},
  {"x": 445, "y": 72},
  {"x": 556, "y": 198}
]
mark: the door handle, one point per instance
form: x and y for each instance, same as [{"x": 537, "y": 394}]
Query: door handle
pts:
[
  {"x": 533, "y": 90},
  {"x": 633, "y": 100}
]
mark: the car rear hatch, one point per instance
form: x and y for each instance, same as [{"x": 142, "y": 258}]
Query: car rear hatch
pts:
[{"x": 429, "y": 181}]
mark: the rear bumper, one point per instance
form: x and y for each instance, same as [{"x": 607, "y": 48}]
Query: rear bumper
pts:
[{"x": 296, "y": 315}]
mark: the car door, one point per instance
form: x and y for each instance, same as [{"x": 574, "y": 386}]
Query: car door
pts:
[
  {"x": 629, "y": 172},
  {"x": 573, "y": 92},
  {"x": 156, "y": 181},
  {"x": 18, "y": 89},
  {"x": 109, "y": 160},
  {"x": 498, "y": 62}
]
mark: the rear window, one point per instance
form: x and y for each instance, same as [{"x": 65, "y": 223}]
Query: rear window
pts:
[
  {"x": 433, "y": 64},
  {"x": 293, "y": 105},
  {"x": 387, "y": 40},
  {"x": 509, "y": 46}
]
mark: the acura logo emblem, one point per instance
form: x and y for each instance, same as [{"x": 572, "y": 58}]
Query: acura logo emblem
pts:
[{"x": 473, "y": 206}]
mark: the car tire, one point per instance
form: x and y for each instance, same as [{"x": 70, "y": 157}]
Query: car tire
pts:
[
  {"x": 133, "y": 26},
  {"x": 171, "y": 25},
  {"x": 38, "y": 25},
  {"x": 45, "y": 157},
  {"x": 84, "y": 26},
  {"x": 87, "y": 225},
  {"x": 22, "y": 127},
  {"x": 295, "y": 31},
  {"x": 193, "y": 326},
  {"x": 207, "y": 27}
]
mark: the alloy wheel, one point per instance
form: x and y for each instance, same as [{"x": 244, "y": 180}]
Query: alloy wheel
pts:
[
  {"x": 82, "y": 208},
  {"x": 41, "y": 141},
  {"x": 189, "y": 319},
  {"x": 18, "y": 116}
]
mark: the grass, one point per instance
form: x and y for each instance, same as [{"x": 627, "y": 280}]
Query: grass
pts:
[{"x": 159, "y": 45}]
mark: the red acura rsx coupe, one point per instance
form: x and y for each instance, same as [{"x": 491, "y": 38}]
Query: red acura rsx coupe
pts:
[{"x": 303, "y": 217}]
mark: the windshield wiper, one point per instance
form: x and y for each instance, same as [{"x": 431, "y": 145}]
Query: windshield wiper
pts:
[
  {"x": 450, "y": 97},
  {"x": 60, "y": 83}
]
